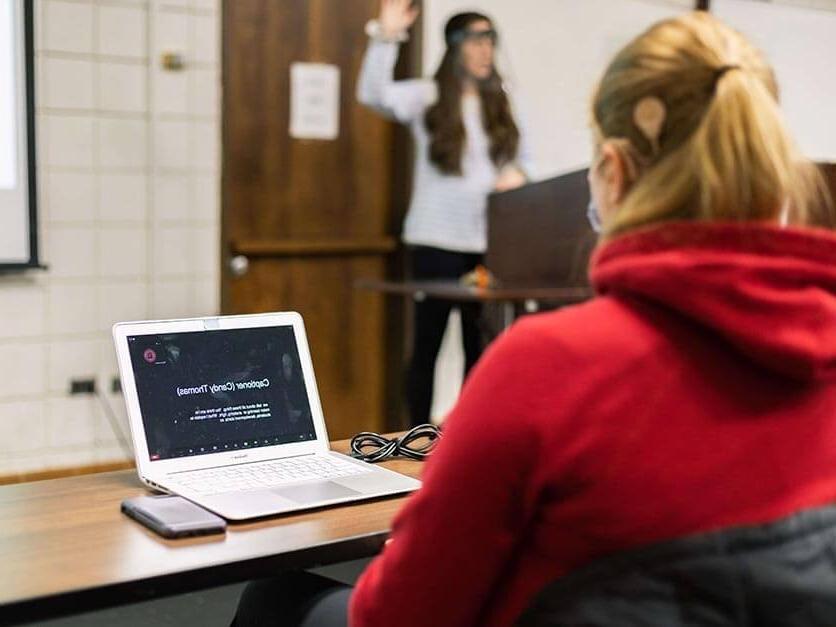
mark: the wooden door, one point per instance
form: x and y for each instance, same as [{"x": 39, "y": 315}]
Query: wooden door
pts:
[{"x": 305, "y": 218}]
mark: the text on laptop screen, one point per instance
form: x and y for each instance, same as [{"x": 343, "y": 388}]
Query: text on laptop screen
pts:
[{"x": 215, "y": 391}]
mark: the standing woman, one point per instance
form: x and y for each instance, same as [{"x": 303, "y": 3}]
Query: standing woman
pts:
[{"x": 468, "y": 145}]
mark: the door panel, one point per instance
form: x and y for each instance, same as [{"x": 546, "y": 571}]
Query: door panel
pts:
[
  {"x": 344, "y": 329},
  {"x": 313, "y": 216}
]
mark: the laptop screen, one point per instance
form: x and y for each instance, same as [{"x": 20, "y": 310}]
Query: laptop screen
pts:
[{"x": 214, "y": 391}]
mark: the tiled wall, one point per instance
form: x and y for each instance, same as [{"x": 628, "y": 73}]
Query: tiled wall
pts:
[{"x": 128, "y": 165}]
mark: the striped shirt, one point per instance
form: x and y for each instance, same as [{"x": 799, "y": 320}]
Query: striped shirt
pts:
[{"x": 446, "y": 211}]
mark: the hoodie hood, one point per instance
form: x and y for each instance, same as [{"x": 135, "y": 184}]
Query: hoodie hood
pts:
[{"x": 770, "y": 292}]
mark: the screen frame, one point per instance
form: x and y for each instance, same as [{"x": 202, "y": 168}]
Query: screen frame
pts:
[
  {"x": 148, "y": 468},
  {"x": 31, "y": 156}
]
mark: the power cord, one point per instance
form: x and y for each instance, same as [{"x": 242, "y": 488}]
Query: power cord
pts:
[
  {"x": 114, "y": 425},
  {"x": 386, "y": 448}
]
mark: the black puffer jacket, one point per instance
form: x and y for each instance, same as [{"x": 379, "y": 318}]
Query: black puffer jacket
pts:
[{"x": 781, "y": 574}]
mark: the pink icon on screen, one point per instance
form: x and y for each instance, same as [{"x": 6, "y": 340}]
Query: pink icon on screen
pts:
[{"x": 150, "y": 355}]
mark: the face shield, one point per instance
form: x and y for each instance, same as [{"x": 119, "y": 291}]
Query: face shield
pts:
[{"x": 476, "y": 35}]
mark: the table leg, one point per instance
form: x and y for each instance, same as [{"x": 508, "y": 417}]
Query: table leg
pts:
[{"x": 508, "y": 314}]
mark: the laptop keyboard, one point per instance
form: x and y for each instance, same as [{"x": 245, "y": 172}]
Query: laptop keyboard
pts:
[{"x": 269, "y": 474}]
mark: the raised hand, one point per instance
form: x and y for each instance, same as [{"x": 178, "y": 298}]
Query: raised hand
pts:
[{"x": 396, "y": 17}]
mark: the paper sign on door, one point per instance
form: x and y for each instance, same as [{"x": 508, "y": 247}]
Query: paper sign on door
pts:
[{"x": 314, "y": 101}]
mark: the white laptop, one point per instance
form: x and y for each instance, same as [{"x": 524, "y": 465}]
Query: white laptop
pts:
[{"x": 225, "y": 412}]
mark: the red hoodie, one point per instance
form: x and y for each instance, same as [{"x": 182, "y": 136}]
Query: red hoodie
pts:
[{"x": 696, "y": 391}]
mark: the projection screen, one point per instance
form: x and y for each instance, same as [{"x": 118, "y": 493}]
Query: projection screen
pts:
[{"x": 18, "y": 201}]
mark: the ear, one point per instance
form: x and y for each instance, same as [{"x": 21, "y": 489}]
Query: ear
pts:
[{"x": 615, "y": 173}]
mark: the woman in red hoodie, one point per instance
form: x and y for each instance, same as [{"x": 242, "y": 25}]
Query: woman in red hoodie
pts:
[{"x": 695, "y": 392}]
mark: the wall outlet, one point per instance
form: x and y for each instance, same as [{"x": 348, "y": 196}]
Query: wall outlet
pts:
[{"x": 82, "y": 386}]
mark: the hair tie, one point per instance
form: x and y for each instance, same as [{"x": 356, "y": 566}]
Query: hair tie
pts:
[
  {"x": 649, "y": 117},
  {"x": 721, "y": 71}
]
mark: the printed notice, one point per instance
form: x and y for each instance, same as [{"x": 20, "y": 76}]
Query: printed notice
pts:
[{"x": 314, "y": 101}]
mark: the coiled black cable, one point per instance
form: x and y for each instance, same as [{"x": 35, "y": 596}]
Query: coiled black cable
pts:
[{"x": 403, "y": 446}]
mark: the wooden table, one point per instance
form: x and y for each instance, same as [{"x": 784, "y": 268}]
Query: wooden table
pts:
[{"x": 65, "y": 547}]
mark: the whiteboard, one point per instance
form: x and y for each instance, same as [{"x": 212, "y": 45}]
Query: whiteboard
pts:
[
  {"x": 800, "y": 43},
  {"x": 18, "y": 245},
  {"x": 553, "y": 52}
]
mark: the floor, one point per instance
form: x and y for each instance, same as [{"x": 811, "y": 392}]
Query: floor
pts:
[{"x": 206, "y": 608}]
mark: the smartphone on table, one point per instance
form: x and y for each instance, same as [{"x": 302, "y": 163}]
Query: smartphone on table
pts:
[{"x": 173, "y": 516}]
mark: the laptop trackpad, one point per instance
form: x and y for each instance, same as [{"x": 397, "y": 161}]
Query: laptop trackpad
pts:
[{"x": 315, "y": 492}]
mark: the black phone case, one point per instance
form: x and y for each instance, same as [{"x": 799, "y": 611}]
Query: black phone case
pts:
[{"x": 168, "y": 529}]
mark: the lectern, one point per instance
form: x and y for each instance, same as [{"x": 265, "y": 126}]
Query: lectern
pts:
[{"x": 539, "y": 235}]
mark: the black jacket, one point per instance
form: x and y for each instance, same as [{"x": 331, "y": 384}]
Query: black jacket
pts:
[{"x": 781, "y": 574}]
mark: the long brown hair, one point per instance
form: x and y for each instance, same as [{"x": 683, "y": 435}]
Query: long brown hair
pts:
[{"x": 444, "y": 118}]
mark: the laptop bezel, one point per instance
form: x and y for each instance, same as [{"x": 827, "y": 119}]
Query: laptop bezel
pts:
[{"x": 147, "y": 467}]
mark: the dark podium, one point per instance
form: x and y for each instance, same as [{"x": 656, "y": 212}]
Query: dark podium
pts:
[
  {"x": 539, "y": 243},
  {"x": 539, "y": 236}
]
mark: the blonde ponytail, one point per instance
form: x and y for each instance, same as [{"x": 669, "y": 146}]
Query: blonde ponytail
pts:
[{"x": 724, "y": 152}]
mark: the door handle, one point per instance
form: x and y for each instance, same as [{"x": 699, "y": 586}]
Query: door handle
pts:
[{"x": 239, "y": 265}]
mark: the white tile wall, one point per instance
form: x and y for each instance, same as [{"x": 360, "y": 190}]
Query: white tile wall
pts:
[
  {"x": 123, "y": 197},
  {"x": 207, "y": 198},
  {"x": 171, "y": 198},
  {"x": 71, "y": 423},
  {"x": 72, "y": 308},
  {"x": 171, "y": 32},
  {"x": 207, "y": 5},
  {"x": 171, "y": 144},
  {"x": 172, "y": 251},
  {"x": 71, "y": 359},
  {"x": 173, "y": 299},
  {"x": 70, "y": 141},
  {"x": 123, "y": 143},
  {"x": 67, "y": 83},
  {"x": 24, "y": 311},
  {"x": 122, "y": 300},
  {"x": 203, "y": 94},
  {"x": 70, "y": 196},
  {"x": 122, "y": 87},
  {"x": 130, "y": 211},
  {"x": 124, "y": 252},
  {"x": 25, "y": 369},
  {"x": 107, "y": 362},
  {"x": 172, "y": 4},
  {"x": 204, "y": 240},
  {"x": 23, "y": 428},
  {"x": 171, "y": 91},
  {"x": 207, "y": 292},
  {"x": 204, "y": 145},
  {"x": 66, "y": 26},
  {"x": 122, "y": 31},
  {"x": 72, "y": 251},
  {"x": 205, "y": 41}
]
